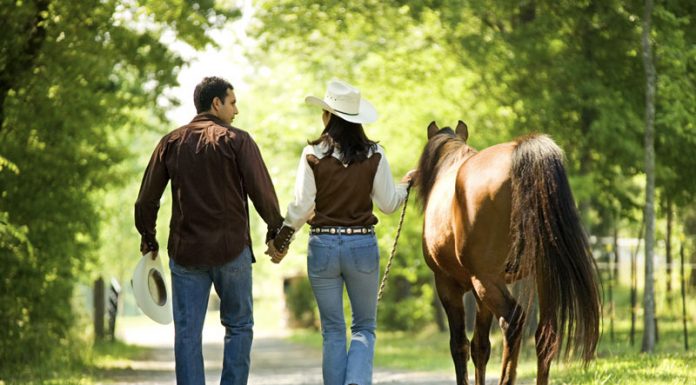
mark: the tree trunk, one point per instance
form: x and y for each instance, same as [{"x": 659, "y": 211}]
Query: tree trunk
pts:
[
  {"x": 613, "y": 280},
  {"x": 692, "y": 277},
  {"x": 634, "y": 281},
  {"x": 649, "y": 293}
]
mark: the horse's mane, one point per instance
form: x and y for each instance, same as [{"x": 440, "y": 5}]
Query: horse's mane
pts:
[{"x": 442, "y": 151}]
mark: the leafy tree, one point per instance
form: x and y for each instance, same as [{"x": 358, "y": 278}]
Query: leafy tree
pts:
[
  {"x": 570, "y": 69},
  {"x": 77, "y": 77}
]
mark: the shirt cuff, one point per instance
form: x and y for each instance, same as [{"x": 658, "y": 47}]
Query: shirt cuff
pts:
[{"x": 148, "y": 242}]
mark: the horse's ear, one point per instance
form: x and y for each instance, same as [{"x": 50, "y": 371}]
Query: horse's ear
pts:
[
  {"x": 462, "y": 130},
  {"x": 432, "y": 129}
]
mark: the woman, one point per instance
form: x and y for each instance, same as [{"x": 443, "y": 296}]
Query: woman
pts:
[{"x": 339, "y": 176}]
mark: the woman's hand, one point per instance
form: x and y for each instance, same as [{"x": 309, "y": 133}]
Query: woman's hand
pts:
[
  {"x": 408, "y": 178},
  {"x": 276, "y": 256}
]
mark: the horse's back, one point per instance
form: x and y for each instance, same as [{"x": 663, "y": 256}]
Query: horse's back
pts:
[
  {"x": 488, "y": 172},
  {"x": 483, "y": 193}
]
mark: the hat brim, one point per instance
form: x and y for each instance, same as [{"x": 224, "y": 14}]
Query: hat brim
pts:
[
  {"x": 158, "y": 309},
  {"x": 366, "y": 114}
]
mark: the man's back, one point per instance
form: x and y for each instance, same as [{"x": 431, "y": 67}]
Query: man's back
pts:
[{"x": 213, "y": 167}]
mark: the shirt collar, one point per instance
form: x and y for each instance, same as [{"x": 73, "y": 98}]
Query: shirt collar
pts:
[
  {"x": 208, "y": 116},
  {"x": 320, "y": 149}
]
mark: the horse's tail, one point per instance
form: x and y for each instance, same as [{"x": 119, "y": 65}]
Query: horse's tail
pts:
[{"x": 549, "y": 241}]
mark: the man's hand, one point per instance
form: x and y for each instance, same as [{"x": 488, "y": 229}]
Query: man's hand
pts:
[
  {"x": 149, "y": 243},
  {"x": 275, "y": 255},
  {"x": 278, "y": 247}
]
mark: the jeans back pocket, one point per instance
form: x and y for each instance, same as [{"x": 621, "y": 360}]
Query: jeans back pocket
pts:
[
  {"x": 365, "y": 257},
  {"x": 318, "y": 255}
]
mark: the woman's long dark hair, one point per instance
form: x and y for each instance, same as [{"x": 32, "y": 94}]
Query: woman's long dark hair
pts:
[{"x": 347, "y": 137}]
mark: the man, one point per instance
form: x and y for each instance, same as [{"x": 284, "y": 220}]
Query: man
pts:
[{"x": 213, "y": 168}]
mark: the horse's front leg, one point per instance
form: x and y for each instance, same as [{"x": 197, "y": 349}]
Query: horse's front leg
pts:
[
  {"x": 452, "y": 297},
  {"x": 480, "y": 343}
]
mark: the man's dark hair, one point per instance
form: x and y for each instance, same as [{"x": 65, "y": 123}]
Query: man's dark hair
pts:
[
  {"x": 349, "y": 137},
  {"x": 209, "y": 88}
]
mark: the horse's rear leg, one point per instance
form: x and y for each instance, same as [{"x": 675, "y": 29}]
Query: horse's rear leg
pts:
[
  {"x": 495, "y": 295},
  {"x": 480, "y": 343},
  {"x": 546, "y": 342},
  {"x": 451, "y": 295}
]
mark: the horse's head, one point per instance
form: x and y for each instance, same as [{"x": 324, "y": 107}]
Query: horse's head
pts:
[{"x": 444, "y": 148}]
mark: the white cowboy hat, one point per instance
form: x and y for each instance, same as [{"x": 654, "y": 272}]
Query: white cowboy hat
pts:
[
  {"x": 344, "y": 100},
  {"x": 150, "y": 289}
]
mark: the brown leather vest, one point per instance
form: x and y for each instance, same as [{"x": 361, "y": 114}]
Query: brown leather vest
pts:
[{"x": 344, "y": 194}]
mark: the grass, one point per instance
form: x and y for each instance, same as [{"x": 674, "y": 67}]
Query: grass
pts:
[
  {"x": 105, "y": 354},
  {"x": 618, "y": 362},
  {"x": 85, "y": 363},
  {"x": 77, "y": 371}
]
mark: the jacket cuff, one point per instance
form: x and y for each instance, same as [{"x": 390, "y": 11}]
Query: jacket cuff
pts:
[
  {"x": 148, "y": 242},
  {"x": 283, "y": 239},
  {"x": 272, "y": 232}
]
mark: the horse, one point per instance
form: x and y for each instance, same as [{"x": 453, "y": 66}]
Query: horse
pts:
[{"x": 496, "y": 216}]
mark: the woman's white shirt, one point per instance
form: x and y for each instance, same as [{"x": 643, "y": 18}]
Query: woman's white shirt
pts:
[{"x": 387, "y": 195}]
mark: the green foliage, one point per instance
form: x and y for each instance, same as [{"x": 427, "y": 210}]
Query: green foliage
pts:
[
  {"x": 569, "y": 69},
  {"x": 77, "y": 78},
  {"x": 82, "y": 104},
  {"x": 408, "y": 299},
  {"x": 299, "y": 301}
]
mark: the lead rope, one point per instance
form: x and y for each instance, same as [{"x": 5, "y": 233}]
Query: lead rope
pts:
[{"x": 393, "y": 251}]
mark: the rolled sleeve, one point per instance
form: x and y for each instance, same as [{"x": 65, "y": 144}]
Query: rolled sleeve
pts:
[
  {"x": 387, "y": 196},
  {"x": 302, "y": 206}
]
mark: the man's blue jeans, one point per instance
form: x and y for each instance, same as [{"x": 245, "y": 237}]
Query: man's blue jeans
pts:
[
  {"x": 190, "y": 293},
  {"x": 353, "y": 260}
]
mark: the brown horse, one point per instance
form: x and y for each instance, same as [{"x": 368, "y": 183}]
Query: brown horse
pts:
[{"x": 493, "y": 217}]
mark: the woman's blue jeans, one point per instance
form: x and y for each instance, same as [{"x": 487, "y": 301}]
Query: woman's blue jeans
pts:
[
  {"x": 190, "y": 293},
  {"x": 353, "y": 260}
]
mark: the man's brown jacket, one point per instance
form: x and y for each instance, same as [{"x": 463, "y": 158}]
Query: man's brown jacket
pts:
[{"x": 213, "y": 167}]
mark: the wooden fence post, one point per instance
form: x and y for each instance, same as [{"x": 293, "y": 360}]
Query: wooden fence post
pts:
[
  {"x": 683, "y": 296},
  {"x": 98, "y": 297},
  {"x": 114, "y": 292}
]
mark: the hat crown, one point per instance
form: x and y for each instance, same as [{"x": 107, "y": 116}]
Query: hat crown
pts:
[
  {"x": 343, "y": 97},
  {"x": 344, "y": 100}
]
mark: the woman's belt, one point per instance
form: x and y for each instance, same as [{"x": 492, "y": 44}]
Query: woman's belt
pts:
[{"x": 350, "y": 230}]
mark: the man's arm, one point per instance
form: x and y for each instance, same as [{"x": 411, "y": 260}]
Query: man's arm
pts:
[
  {"x": 148, "y": 202},
  {"x": 258, "y": 185}
]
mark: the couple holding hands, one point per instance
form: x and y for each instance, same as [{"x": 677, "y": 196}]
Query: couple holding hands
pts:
[{"x": 213, "y": 168}]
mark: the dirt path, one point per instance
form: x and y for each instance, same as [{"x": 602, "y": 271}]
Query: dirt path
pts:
[{"x": 275, "y": 361}]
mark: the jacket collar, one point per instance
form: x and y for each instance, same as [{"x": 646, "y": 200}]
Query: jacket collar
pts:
[{"x": 208, "y": 116}]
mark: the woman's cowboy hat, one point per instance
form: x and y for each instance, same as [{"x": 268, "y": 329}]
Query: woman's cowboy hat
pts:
[
  {"x": 344, "y": 100},
  {"x": 150, "y": 289}
]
